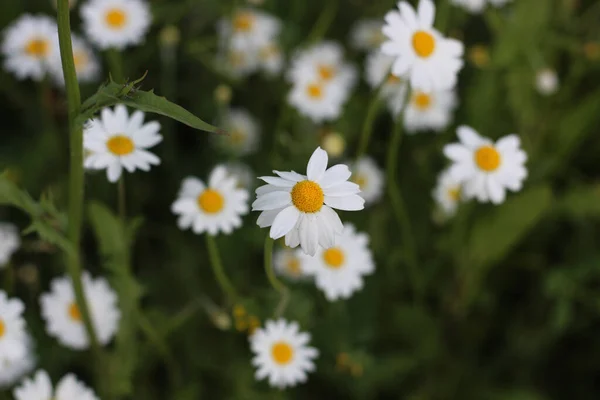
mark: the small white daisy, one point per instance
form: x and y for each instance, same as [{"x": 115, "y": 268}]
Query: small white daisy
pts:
[
  {"x": 477, "y": 6},
  {"x": 215, "y": 208},
  {"x": 546, "y": 82},
  {"x": 366, "y": 34},
  {"x": 28, "y": 45},
  {"x": 282, "y": 353},
  {"x": 242, "y": 173},
  {"x": 339, "y": 270},
  {"x": 370, "y": 178},
  {"x": 13, "y": 338},
  {"x": 40, "y": 388},
  {"x": 238, "y": 62},
  {"x": 486, "y": 169},
  {"x": 378, "y": 72},
  {"x": 87, "y": 65},
  {"x": 301, "y": 207},
  {"x": 271, "y": 59},
  {"x": 249, "y": 29},
  {"x": 243, "y": 133},
  {"x": 118, "y": 141},
  {"x": 429, "y": 111},
  {"x": 430, "y": 60},
  {"x": 63, "y": 317},
  {"x": 287, "y": 262},
  {"x": 448, "y": 193},
  {"x": 12, "y": 371},
  {"x": 317, "y": 100},
  {"x": 10, "y": 241},
  {"x": 116, "y": 23}
]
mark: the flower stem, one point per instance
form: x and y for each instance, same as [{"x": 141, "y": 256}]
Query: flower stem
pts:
[
  {"x": 217, "y": 266},
  {"x": 76, "y": 167},
  {"x": 122, "y": 199},
  {"x": 323, "y": 22},
  {"x": 276, "y": 283},
  {"x": 115, "y": 64},
  {"x": 367, "y": 128}
]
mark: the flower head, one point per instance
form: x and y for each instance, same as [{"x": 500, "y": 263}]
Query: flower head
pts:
[
  {"x": 393, "y": 88},
  {"x": 288, "y": 263},
  {"x": 13, "y": 338},
  {"x": 429, "y": 111},
  {"x": 10, "y": 241},
  {"x": 87, "y": 65},
  {"x": 12, "y": 371},
  {"x": 366, "y": 34},
  {"x": 243, "y": 132},
  {"x": 448, "y": 193},
  {"x": 40, "y": 388},
  {"x": 369, "y": 177}
]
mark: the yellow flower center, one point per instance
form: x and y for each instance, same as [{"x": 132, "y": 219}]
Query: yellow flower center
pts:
[
  {"x": 454, "y": 193},
  {"x": 293, "y": 267},
  {"x": 423, "y": 43},
  {"x": 237, "y": 137},
  {"x": 211, "y": 201},
  {"x": 74, "y": 312},
  {"x": 422, "y": 100},
  {"x": 487, "y": 158},
  {"x": 315, "y": 91},
  {"x": 243, "y": 22},
  {"x": 326, "y": 72},
  {"x": 282, "y": 353},
  {"x": 37, "y": 48},
  {"x": 393, "y": 79},
  {"x": 307, "y": 196},
  {"x": 2, "y": 328},
  {"x": 120, "y": 145},
  {"x": 334, "y": 257},
  {"x": 115, "y": 18}
]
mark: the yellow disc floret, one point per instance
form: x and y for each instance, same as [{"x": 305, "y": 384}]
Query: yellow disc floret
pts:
[
  {"x": 120, "y": 145},
  {"x": 334, "y": 257},
  {"x": 211, "y": 201},
  {"x": 487, "y": 158},
  {"x": 282, "y": 353},
  {"x": 423, "y": 43},
  {"x": 307, "y": 196}
]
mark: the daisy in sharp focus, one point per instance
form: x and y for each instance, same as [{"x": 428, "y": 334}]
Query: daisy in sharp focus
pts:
[
  {"x": 118, "y": 141},
  {"x": 288, "y": 263},
  {"x": 10, "y": 241},
  {"x": 430, "y": 60},
  {"x": 339, "y": 270},
  {"x": 301, "y": 207},
  {"x": 64, "y": 320},
  {"x": 243, "y": 133},
  {"x": 28, "y": 45},
  {"x": 13, "y": 337},
  {"x": 116, "y": 23},
  {"x": 487, "y": 169},
  {"x": 370, "y": 178},
  {"x": 366, "y": 34},
  {"x": 215, "y": 208},
  {"x": 282, "y": 353},
  {"x": 429, "y": 111},
  {"x": 477, "y": 6},
  {"x": 87, "y": 65},
  {"x": 378, "y": 73},
  {"x": 40, "y": 388},
  {"x": 448, "y": 193}
]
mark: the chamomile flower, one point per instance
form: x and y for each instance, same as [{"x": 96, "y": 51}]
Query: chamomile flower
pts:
[
  {"x": 28, "y": 45},
  {"x": 428, "y": 59},
  {"x": 366, "y": 34},
  {"x": 378, "y": 74},
  {"x": 448, "y": 193},
  {"x": 370, "y": 178},
  {"x": 87, "y": 66},
  {"x": 118, "y": 141},
  {"x": 317, "y": 100},
  {"x": 40, "y": 388},
  {"x": 301, "y": 207},
  {"x": 12, "y": 371},
  {"x": 13, "y": 338},
  {"x": 116, "y": 23},
  {"x": 242, "y": 173},
  {"x": 63, "y": 317},
  {"x": 287, "y": 262},
  {"x": 215, "y": 208},
  {"x": 10, "y": 241},
  {"x": 271, "y": 59},
  {"x": 249, "y": 29},
  {"x": 243, "y": 133},
  {"x": 477, "y": 6},
  {"x": 339, "y": 270},
  {"x": 429, "y": 111},
  {"x": 282, "y": 353},
  {"x": 238, "y": 62},
  {"x": 546, "y": 82},
  {"x": 486, "y": 169}
]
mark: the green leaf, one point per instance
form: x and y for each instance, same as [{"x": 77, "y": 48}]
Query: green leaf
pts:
[{"x": 581, "y": 202}]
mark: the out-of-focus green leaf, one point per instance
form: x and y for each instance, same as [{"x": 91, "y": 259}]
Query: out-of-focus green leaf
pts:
[{"x": 581, "y": 202}]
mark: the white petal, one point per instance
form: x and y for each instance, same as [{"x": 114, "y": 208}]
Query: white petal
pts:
[
  {"x": 342, "y": 189},
  {"x": 271, "y": 201},
  {"x": 332, "y": 218},
  {"x": 114, "y": 171},
  {"x": 217, "y": 175},
  {"x": 317, "y": 165},
  {"x": 309, "y": 234},
  {"x": 284, "y": 222},
  {"x": 457, "y": 152},
  {"x": 336, "y": 174},
  {"x": 271, "y": 180},
  {"x": 291, "y": 175},
  {"x": 469, "y": 137},
  {"x": 426, "y": 13},
  {"x": 347, "y": 203},
  {"x": 266, "y": 218}
]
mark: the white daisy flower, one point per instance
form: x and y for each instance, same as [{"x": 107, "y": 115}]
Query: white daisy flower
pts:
[
  {"x": 40, "y": 388},
  {"x": 429, "y": 111},
  {"x": 87, "y": 65},
  {"x": 366, "y": 34},
  {"x": 429, "y": 60},
  {"x": 282, "y": 353},
  {"x": 13, "y": 338},
  {"x": 477, "y": 6},
  {"x": 10, "y": 241},
  {"x": 486, "y": 169},
  {"x": 215, "y": 208},
  {"x": 394, "y": 89},
  {"x": 317, "y": 100},
  {"x": 300, "y": 207},
  {"x": 448, "y": 193},
  {"x": 339, "y": 270},
  {"x": 370, "y": 178},
  {"x": 116, "y": 23},
  {"x": 238, "y": 62},
  {"x": 242, "y": 173},
  {"x": 249, "y": 29},
  {"x": 118, "y": 141},
  {"x": 63, "y": 317},
  {"x": 28, "y": 45},
  {"x": 546, "y": 82},
  {"x": 12, "y": 371},
  {"x": 288, "y": 263},
  {"x": 271, "y": 59},
  {"x": 243, "y": 133}
]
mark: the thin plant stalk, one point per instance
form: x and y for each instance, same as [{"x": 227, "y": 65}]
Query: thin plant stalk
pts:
[
  {"x": 283, "y": 291},
  {"x": 367, "y": 128},
  {"x": 115, "y": 64},
  {"x": 122, "y": 199},
  {"x": 217, "y": 266}
]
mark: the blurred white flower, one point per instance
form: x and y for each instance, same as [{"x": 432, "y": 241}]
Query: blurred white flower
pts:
[
  {"x": 429, "y": 111},
  {"x": 117, "y": 141},
  {"x": 282, "y": 353},
  {"x": 13, "y": 337},
  {"x": 270, "y": 58},
  {"x": 394, "y": 89},
  {"x": 300, "y": 207},
  {"x": 448, "y": 193},
  {"x": 64, "y": 320},
  {"x": 87, "y": 65},
  {"x": 28, "y": 45},
  {"x": 242, "y": 173},
  {"x": 366, "y": 34},
  {"x": 339, "y": 270},
  {"x": 243, "y": 133},
  {"x": 370, "y": 178},
  {"x": 238, "y": 62},
  {"x": 477, "y": 6},
  {"x": 546, "y": 81},
  {"x": 12, "y": 371},
  {"x": 425, "y": 57},
  {"x": 10, "y": 241},
  {"x": 288, "y": 263},
  {"x": 318, "y": 101},
  {"x": 334, "y": 144},
  {"x": 215, "y": 208},
  {"x": 116, "y": 23},
  {"x": 40, "y": 388},
  {"x": 484, "y": 168}
]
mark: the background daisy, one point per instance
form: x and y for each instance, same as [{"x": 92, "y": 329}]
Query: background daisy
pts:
[
  {"x": 369, "y": 177},
  {"x": 40, "y": 388},
  {"x": 13, "y": 337},
  {"x": 12, "y": 371},
  {"x": 87, "y": 65},
  {"x": 393, "y": 89},
  {"x": 288, "y": 263},
  {"x": 429, "y": 111},
  {"x": 10, "y": 241},
  {"x": 243, "y": 132},
  {"x": 448, "y": 193}
]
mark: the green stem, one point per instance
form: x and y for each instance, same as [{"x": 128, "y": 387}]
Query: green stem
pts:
[
  {"x": 122, "y": 199},
  {"x": 276, "y": 283},
  {"x": 115, "y": 64},
  {"x": 324, "y": 21},
  {"x": 367, "y": 128},
  {"x": 76, "y": 192},
  {"x": 217, "y": 266},
  {"x": 161, "y": 347}
]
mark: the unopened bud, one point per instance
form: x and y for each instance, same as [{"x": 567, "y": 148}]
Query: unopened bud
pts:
[
  {"x": 170, "y": 36},
  {"x": 223, "y": 94},
  {"x": 479, "y": 55},
  {"x": 334, "y": 144}
]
